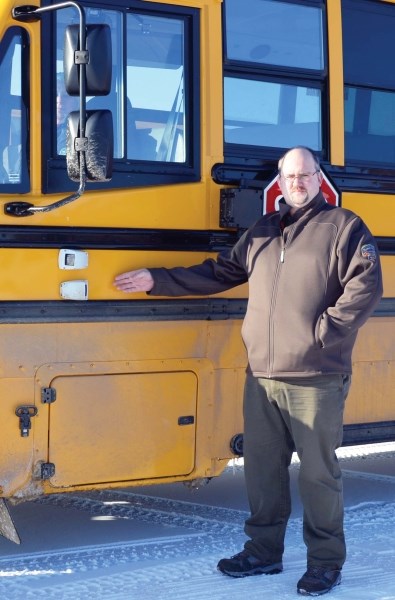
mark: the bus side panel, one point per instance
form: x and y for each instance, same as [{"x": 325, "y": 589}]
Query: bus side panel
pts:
[
  {"x": 124, "y": 412},
  {"x": 373, "y": 380}
]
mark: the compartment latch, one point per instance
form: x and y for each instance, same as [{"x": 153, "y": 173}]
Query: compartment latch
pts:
[{"x": 25, "y": 413}]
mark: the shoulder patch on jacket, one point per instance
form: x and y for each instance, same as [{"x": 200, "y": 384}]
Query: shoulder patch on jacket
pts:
[{"x": 369, "y": 251}]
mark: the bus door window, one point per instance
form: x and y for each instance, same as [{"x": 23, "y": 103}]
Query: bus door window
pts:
[
  {"x": 149, "y": 115},
  {"x": 154, "y": 97},
  {"x": 13, "y": 121},
  {"x": 64, "y": 105},
  {"x": 114, "y": 100},
  {"x": 155, "y": 88},
  {"x": 274, "y": 66},
  {"x": 369, "y": 80}
]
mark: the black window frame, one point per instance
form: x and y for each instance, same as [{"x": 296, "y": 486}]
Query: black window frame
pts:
[{"x": 127, "y": 173}]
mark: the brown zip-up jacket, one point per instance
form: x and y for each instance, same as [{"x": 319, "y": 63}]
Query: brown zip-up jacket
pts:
[{"x": 314, "y": 279}]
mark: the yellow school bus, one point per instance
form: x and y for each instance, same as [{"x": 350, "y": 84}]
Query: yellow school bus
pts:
[{"x": 139, "y": 133}]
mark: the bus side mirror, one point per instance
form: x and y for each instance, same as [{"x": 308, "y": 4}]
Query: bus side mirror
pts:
[
  {"x": 99, "y": 65},
  {"x": 98, "y": 145}
]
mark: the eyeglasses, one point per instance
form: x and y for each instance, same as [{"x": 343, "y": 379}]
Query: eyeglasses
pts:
[{"x": 302, "y": 176}]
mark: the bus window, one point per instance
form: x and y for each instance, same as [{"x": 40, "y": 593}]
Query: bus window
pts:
[
  {"x": 114, "y": 100},
  {"x": 147, "y": 126},
  {"x": 155, "y": 88},
  {"x": 64, "y": 105},
  {"x": 271, "y": 114},
  {"x": 274, "y": 65},
  {"x": 155, "y": 126},
  {"x": 13, "y": 130},
  {"x": 154, "y": 97},
  {"x": 369, "y": 80},
  {"x": 274, "y": 33}
]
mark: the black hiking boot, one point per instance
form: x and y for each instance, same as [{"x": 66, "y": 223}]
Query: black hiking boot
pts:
[
  {"x": 244, "y": 564},
  {"x": 318, "y": 580}
]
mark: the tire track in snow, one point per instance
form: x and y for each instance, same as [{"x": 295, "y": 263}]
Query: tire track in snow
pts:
[{"x": 183, "y": 566}]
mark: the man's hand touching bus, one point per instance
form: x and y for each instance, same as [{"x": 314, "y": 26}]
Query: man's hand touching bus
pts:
[{"x": 134, "y": 281}]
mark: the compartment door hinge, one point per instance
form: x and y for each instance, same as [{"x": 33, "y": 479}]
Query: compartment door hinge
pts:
[
  {"x": 47, "y": 470},
  {"x": 48, "y": 395}
]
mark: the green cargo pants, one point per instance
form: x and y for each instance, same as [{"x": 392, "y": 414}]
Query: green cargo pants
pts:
[{"x": 305, "y": 414}]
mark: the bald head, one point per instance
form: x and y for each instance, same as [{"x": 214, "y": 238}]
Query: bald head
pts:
[{"x": 300, "y": 176}]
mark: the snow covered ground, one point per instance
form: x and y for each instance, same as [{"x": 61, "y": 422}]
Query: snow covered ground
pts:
[{"x": 163, "y": 542}]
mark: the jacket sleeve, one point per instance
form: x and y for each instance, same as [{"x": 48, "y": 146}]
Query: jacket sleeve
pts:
[
  {"x": 360, "y": 278},
  {"x": 209, "y": 277}
]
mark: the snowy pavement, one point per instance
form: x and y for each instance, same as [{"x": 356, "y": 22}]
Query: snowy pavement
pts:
[{"x": 163, "y": 542}]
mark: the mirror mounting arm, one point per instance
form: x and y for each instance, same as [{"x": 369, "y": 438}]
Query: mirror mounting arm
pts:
[{"x": 33, "y": 13}]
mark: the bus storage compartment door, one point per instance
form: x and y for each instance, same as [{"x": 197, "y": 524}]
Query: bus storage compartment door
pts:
[{"x": 119, "y": 426}]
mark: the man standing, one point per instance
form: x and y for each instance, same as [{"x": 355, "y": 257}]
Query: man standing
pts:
[{"x": 314, "y": 278}]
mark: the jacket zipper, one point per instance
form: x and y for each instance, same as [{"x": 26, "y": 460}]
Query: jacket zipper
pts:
[
  {"x": 273, "y": 301},
  {"x": 272, "y": 305}
]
